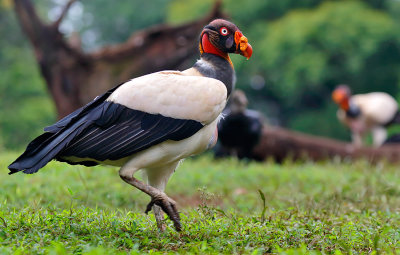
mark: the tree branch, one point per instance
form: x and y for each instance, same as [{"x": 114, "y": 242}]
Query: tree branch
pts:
[
  {"x": 29, "y": 20},
  {"x": 74, "y": 78},
  {"x": 139, "y": 41},
  {"x": 64, "y": 12}
]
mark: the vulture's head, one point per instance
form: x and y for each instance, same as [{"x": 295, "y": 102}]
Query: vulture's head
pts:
[
  {"x": 341, "y": 96},
  {"x": 221, "y": 37}
]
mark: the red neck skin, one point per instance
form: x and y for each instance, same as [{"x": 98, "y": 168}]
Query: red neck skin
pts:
[
  {"x": 345, "y": 104},
  {"x": 207, "y": 47}
]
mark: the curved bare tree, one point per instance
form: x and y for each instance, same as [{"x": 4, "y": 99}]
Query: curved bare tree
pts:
[{"x": 74, "y": 77}]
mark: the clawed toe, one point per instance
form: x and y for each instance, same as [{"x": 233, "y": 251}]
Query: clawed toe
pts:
[
  {"x": 149, "y": 206},
  {"x": 168, "y": 206}
]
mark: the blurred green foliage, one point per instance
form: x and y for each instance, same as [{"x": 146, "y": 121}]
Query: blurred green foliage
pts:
[{"x": 302, "y": 50}]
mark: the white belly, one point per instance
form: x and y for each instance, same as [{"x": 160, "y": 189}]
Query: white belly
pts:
[{"x": 172, "y": 151}]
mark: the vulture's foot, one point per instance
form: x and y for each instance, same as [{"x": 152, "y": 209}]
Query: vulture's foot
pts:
[{"x": 168, "y": 205}]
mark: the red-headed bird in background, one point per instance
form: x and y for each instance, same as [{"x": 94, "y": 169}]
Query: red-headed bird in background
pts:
[{"x": 363, "y": 113}]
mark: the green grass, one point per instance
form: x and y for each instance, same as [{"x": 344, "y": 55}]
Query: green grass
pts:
[{"x": 328, "y": 207}]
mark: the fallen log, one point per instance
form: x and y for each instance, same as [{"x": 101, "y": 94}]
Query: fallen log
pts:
[{"x": 279, "y": 143}]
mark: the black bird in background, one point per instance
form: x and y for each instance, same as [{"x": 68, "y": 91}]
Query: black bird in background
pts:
[{"x": 239, "y": 130}]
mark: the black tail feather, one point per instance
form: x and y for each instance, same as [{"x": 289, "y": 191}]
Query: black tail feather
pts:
[
  {"x": 31, "y": 149},
  {"x": 396, "y": 118},
  {"x": 44, "y": 148},
  {"x": 56, "y": 137},
  {"x": 394, "y": 139}
]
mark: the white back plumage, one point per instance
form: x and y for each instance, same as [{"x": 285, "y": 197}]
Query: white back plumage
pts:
[
  {"x": 376, "y": 107},
  {"x": 166, "y": 93}
]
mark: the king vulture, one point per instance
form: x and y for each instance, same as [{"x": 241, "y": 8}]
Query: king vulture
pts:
[
  {"x": 366, "y": 112},
  {"x": 240, "y": 129},
  {"x": 149, "y": 123}
]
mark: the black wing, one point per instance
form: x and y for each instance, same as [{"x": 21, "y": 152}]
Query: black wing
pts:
[
  {"x": 45, "y": 147},
  {"x": 79, "y": 112},
  {"x": 101, "y": 130},
  {"x": 121, "y": 132}
]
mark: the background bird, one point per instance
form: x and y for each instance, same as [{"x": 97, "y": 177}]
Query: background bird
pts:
[
  {"x": 363, "y": 113},
  {"x": 151, "y": 122},
  {"x": 240, "y": 129}
]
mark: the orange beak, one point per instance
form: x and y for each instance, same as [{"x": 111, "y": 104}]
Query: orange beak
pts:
[
  {"x": 242, "y": 46},
  {"x": 340, "y": 97}
]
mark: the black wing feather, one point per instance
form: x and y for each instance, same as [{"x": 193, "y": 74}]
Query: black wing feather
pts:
[
  {"x": 101, "y": 130},
  {"x": 127, "y": 132},
  {"x": 79, "y": 112},
  {"x": 45, "y": 147}
]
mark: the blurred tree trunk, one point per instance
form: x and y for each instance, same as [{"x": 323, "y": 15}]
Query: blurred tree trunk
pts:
[
  {"x": 279, "y": 143},
  {"x": 74, "y": 78}
]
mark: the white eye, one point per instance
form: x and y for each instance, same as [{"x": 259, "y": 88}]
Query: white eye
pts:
[{"x": 224, "y": 31}]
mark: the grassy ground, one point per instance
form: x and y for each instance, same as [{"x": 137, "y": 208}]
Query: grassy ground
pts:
[{"x": 331, "y": 207}]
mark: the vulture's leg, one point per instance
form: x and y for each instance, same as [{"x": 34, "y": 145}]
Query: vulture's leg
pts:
[
  {"x": 379, "y": 135},
  {"x": 357, "y": 138},
  {"x": 158, "y": 178},
  {"x": 157, "y": 196}
]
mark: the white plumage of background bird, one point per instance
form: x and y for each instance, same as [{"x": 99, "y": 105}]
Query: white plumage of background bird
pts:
[
  {"x": 363, "y": 113},
  {"x": 149, "y": 123}
]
